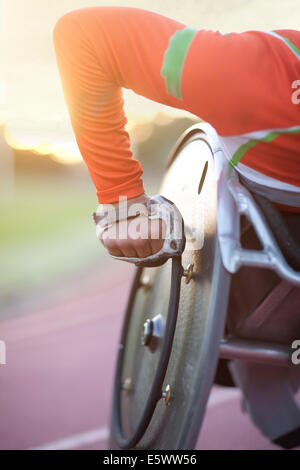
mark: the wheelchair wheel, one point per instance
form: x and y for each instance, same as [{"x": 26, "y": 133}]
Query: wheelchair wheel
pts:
[{"x": 175, "y": 319}]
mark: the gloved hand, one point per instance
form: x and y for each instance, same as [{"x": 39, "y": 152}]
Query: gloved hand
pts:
[{"x": 144, "y": 231}]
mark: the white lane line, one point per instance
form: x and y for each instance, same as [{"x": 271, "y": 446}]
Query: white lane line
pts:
[
  {"x": 77, "y": 440},
  {"x": 217, "y": 397}
]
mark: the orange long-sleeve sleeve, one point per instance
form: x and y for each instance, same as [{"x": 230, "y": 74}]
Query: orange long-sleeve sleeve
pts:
[
  {"x": 99, "y": 51},
  {"x": 241, "y": 83}
]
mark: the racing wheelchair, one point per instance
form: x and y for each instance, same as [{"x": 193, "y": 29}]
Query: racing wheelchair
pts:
[{"x": 226, "y": 311}]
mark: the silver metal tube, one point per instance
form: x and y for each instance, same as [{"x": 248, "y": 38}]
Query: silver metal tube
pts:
[{"x": 255, "y": 351}]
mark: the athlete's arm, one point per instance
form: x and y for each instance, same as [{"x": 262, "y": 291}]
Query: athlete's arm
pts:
[
  {"x": 233, "y": 81},
  {"x": 99, "y": 51}
]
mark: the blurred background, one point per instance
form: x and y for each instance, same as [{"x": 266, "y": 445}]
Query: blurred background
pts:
[{"x": 61, "y": 298}]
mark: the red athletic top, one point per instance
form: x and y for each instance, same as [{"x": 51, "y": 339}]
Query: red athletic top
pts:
[{"x": 246, "y": 85}]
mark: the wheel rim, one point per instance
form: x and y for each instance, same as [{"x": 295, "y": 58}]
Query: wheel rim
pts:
[
  {"x": 194, "y": 355},
  {"x": 156, "y": 392}
]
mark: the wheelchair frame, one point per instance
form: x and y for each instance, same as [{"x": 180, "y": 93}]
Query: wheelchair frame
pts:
[
  {"x": 250, "y": 357},
  {"x": 235, "y": 200}
]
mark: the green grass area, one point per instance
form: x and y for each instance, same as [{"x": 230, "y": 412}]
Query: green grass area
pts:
[
  {"x": 39, "y": 209},
  {"x": 46, "y": 234}
]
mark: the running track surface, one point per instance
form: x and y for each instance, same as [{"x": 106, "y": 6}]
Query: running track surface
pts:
[{"x": 56, "y": 386}]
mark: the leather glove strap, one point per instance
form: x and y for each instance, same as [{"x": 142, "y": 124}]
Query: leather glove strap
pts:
[{"x": 158, "y": 207}]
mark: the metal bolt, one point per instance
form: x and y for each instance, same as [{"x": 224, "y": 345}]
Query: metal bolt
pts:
[
  {"x": 188, "y": 273},
  {"x": 147, "y": 333},
  {"x": 153, "y": 331},
  {"x": 166, "y": 395},
  {"x": 145, "y": 283},
  {"x": 127, "y": 385}
]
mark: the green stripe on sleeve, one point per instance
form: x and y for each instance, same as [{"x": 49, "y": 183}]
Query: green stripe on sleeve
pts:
[
  {"x": 287, "y": 42},
  {"x": 238, "y": 155},
  {"x": 174, "y": 60},
  {"x": 292, "y": 46}
]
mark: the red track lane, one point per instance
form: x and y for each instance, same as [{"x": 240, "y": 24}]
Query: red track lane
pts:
[{"x": 56, "y": 386}]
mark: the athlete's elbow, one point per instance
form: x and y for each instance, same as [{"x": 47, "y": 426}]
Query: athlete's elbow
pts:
[{"x": 62, "y": 28}]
